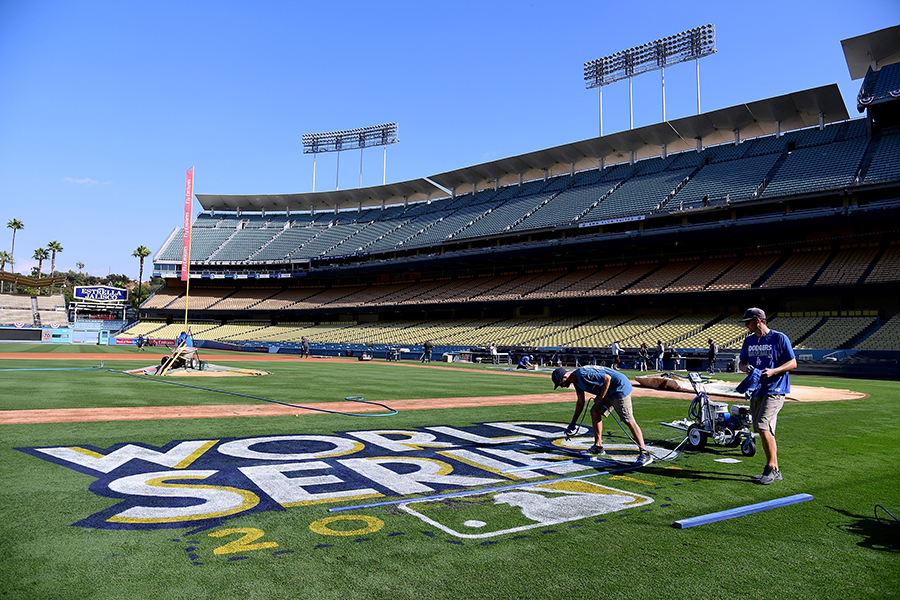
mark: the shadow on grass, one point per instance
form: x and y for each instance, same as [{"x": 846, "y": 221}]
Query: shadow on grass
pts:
[
  {"x": 659, "y": 468},
  {"x": 681, "y": 473},
  {"x": 877, "y": 533}
]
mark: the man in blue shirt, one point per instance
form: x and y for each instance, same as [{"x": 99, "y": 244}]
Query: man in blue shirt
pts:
[
  {"x": 769, "y": 352},
  {"x": 525, "y": 363},
  {"x": 612, "y": 390}
]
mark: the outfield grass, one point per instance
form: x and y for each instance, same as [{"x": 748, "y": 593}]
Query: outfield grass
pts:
[{"x": 830, "y": 547}]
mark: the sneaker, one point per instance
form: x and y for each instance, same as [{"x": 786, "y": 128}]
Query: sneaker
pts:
[
  {"x": 769, "y": 475},
  {"x": 598, "y": 451},
  {"x": 766, "y": 472},
  {"x": 643, "y": 459}
]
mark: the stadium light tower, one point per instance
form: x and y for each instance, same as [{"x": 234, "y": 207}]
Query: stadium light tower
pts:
[
  {"x": 692, "y": 44},
  {"x": 349, "y": 139}
]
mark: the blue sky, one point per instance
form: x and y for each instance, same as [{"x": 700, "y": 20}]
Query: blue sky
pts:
[{"x": 104, "y": 105}]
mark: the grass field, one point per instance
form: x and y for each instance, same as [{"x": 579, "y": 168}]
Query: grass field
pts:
[{"x": 75, "y": 526}]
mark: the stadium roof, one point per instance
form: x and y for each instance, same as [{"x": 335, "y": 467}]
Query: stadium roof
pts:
[
  {"x": 796, "y": 110},
  {"x": 875, "y": 50}
]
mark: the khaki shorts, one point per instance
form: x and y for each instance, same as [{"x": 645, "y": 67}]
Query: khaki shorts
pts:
[
  {"x": 764, "y": 410},
  {"x": 622, "y": 406}
]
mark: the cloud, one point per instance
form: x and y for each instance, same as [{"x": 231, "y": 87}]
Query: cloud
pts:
[{"x": 85, "y": 181}]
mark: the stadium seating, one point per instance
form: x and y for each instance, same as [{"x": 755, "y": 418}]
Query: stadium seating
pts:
[
  {"x": 796, "y": 327},
  {"x": 638, "y": 195},
  {"x": 57, "y": 303},
  {"x": 814, "y": 160},
  {"x": 243, "y": 244},
  {"x": 287, "y": 298},
  {"x": 370, "y": 295},
  {"x": 12, "y": 316},
  {"x": 887, "y": 337},
  {"x": 728, "y": 333},
  {"x": 245, "y": 299},
  {"x": 847, "y": 267},
  {"x": 745, "y": 273},
  {"x": 792, "y": 174},
  {"x": 162, "y": 298},
  {"x": 565, "y": 281},
  {"x": 836, "y": 332},
  {"x": 818, "y": 168},
  {"x": 674, "y": 331},
  {"x": 885, "y": 165},
  {"x": 143, "y": 328},
  {"x": 284, "y": 243},
  {"x": 53, "y": 317},
  {"x": 562, "y": 209},
  {"x": 798, "y": 270},
  {"x": 699, "y": 278},
  {"x": 887, "y": 268},
  {"x": 617, "y": 283},
  {"x": 206, "y": 220},
  {"x": 685, "y": 331},
  {"x": 665, "y": 276},
  {"x": 199, "y": 299},
  {"x": 13, "y": 301},
  {"x": 737, "y": 180}
]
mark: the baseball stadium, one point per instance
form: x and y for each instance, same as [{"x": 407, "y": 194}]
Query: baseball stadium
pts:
[{"x": 348, "y": 393}]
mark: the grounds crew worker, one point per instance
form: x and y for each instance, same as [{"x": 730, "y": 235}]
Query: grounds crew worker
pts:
[
  {"x": 767, "y": 357},
  {"x": 612, "y": 390}
]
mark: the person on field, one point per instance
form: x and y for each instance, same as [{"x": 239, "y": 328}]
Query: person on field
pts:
[
  {"x": 184, "y": 346},
  {"x": 644, "y": 356},
  {"x": 426, "y": 355},
  {"x": 711, "y": 354},
  {"x": 612, "y": 390},
  {"x": 616, "y": 353},
  {"x": 767, "y": 357}
]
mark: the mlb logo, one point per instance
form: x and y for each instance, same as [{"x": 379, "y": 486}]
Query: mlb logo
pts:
[{"x": 483, "y": 515}]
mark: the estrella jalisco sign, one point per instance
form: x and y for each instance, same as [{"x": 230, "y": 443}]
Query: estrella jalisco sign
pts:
[
  {"x": 190, "y": 483},
  {"x": 100, "y": 293}
]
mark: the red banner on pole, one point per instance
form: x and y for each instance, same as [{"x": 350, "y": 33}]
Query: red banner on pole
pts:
[{"x": 188, "y": 209}]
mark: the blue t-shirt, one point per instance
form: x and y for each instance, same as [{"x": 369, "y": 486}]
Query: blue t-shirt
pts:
[
  {"x": 590, "y": 380},
  {"x": 524, "y": 361},
  {"x": 768, "y": 352}
]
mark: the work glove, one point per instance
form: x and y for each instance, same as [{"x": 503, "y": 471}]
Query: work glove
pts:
[{"x": 571, "y": 430}]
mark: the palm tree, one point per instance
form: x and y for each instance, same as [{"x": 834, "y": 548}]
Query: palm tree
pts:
[
  {"x": 40, "y": 255},
  {"x": 15, "y": 225},
  {"x": 53, "y": 247},
  {"x": 4, "y": 258},
  {"x": 140, "y": 252},
  {"x": 80, "y": 266}
]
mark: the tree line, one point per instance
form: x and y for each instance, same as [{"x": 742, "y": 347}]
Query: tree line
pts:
[{"x": 138, "y": 291}]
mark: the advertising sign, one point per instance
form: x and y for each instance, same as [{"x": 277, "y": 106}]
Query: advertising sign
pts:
[
  {"x": 101, "y": 293},
  {"x": 186, "y": 241}
]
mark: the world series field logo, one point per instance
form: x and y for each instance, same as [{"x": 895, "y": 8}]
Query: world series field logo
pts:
[{"x": 508, "y": 466}]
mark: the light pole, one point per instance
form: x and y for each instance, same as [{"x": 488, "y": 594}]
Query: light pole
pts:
[
  {"x": 692, "y": 44},
  {"x": 350, "y": 139}
]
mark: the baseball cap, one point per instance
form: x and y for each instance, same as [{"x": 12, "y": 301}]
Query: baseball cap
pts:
[
  {"x": 754, "y": 313},
  {"x": 557, "y": 376}
]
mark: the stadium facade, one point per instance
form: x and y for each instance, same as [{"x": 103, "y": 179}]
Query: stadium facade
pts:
[{"x": 659, "y": 233}]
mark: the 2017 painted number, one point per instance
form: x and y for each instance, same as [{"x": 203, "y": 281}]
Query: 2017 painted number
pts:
[{"x": 243, "y": 543}]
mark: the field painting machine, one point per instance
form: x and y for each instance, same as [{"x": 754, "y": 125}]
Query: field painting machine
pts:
[{"x": 708, "y": 420}]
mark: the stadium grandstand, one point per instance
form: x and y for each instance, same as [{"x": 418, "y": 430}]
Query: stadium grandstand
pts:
[{"x": 661, "y": 233}]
